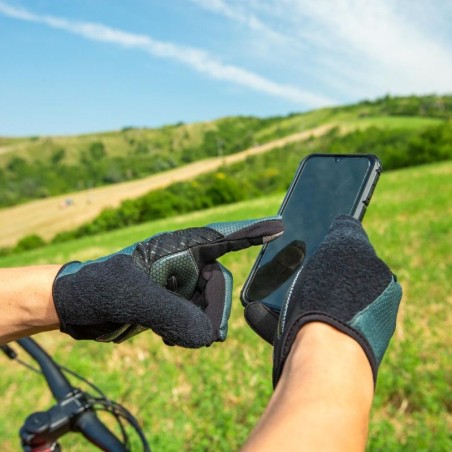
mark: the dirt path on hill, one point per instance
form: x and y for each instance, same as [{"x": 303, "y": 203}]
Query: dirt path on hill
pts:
[{"x": 49, "y": 216}]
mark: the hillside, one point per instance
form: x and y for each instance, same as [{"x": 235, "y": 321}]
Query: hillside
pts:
[
  {"x": 49, "y": 216},
  {"x": 41, "y": 167},
  {"x": 253, "y": 173}
]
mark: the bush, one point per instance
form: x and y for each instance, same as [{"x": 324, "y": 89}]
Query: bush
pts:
[
  {"x": 97, "y": 150},
  {"x": 29, "y": 242},
  {"x": 224, "y": 190},
  {"x": 64, "y": 236},
  {"x": 5, "y": 251}
]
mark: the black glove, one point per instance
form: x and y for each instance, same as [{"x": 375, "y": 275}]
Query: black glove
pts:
[
  {"x": 170, "y": 283},
  {"x": 262, "y": 319},
  {"x": 345, "y": 285}
]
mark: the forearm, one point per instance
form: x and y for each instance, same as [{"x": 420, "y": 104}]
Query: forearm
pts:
[
  {"x": 26, "y": 301},
  {"x": 323, "y": 399}
]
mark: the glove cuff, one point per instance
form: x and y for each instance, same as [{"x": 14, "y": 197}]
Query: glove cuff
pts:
[
  {"x": 372, "y": 328},
  {"x": 282, "y": 352},
  {"x": 58, "y": 296}
]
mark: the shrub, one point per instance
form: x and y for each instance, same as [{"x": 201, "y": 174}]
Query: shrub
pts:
[
  {"x": 5, "y": 251},
  {"x": 97, "y": 150},
  {"x": 29, "y": 242},
  {"x": 224, "y": 190}
]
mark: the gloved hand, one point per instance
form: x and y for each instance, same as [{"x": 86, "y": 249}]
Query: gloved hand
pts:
[
  {"x": 170, "y": 283},
  {"x": 262, "y": 319},
  {"x": 347, "y": 286}
]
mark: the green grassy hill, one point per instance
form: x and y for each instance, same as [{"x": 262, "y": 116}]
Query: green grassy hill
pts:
[
  {"x": 210, "y": 399},
  {"x": 39, "y": 167},
  {"x": 399, "y": 141}
]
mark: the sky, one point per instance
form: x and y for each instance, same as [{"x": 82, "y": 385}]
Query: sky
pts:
[{"x": 80, "y": 66}]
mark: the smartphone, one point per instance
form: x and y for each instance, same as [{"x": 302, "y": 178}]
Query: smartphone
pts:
[{"x": 324, "y": 186}]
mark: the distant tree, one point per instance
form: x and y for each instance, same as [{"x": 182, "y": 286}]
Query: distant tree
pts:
[
  {"x": 97, "y": 150},
  {"x": 58, "y": 155},
  {"x": 16, "y": 165},
  {"x": 141, "y": 147}
]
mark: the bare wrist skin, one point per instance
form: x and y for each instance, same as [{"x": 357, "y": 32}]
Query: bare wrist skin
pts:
[
  {"x": 323, "y": 399},
  {"x": 27, "y": 303}
]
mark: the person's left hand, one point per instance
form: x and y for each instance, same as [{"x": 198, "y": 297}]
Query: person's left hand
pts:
[
  {"x": 170, "y": 283},
  {"x": 347, "y": 286}
]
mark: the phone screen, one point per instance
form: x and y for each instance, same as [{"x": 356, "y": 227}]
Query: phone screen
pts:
[{"x": 325, "y": 186}]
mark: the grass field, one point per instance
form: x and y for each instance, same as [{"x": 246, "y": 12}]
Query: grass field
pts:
[{"x": 210, "y": 399}]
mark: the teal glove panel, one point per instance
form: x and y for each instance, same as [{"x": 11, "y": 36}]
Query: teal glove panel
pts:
[{"x": 377, "y": 321}]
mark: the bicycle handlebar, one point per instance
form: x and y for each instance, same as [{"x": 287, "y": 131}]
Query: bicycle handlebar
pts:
[
  {"x": 56, "y": 380},
  {"x": 72, "y": 413},
  {"x": 89, "y": 425}
]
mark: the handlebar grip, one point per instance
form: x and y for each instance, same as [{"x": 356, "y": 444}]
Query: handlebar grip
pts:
[
  {"x": 58, "y": 383},
  {"x": 90, "y": 426}
]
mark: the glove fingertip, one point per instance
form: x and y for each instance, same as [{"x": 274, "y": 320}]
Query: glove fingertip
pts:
[
  {"x": 346, "y": 225},
  {"x": 268, "y": 226}
]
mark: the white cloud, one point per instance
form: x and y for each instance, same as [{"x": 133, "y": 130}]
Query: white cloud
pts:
[
  {"x": 386, "y": 40},
  {"x": 241, "y": 14},
  {"x": 371, "y": 46},
  {"x": 197, "y": 59}
]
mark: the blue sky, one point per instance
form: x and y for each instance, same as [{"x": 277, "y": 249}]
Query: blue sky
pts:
[{"x": 76, "y": 66}]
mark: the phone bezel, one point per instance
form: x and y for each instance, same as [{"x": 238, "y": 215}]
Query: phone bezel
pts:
[{"x": 359, "y": 208}]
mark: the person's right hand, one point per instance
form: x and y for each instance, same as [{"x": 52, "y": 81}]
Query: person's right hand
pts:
[
  {"x": 171, "y": 283},
  {"x": 345, "y": 285}
]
